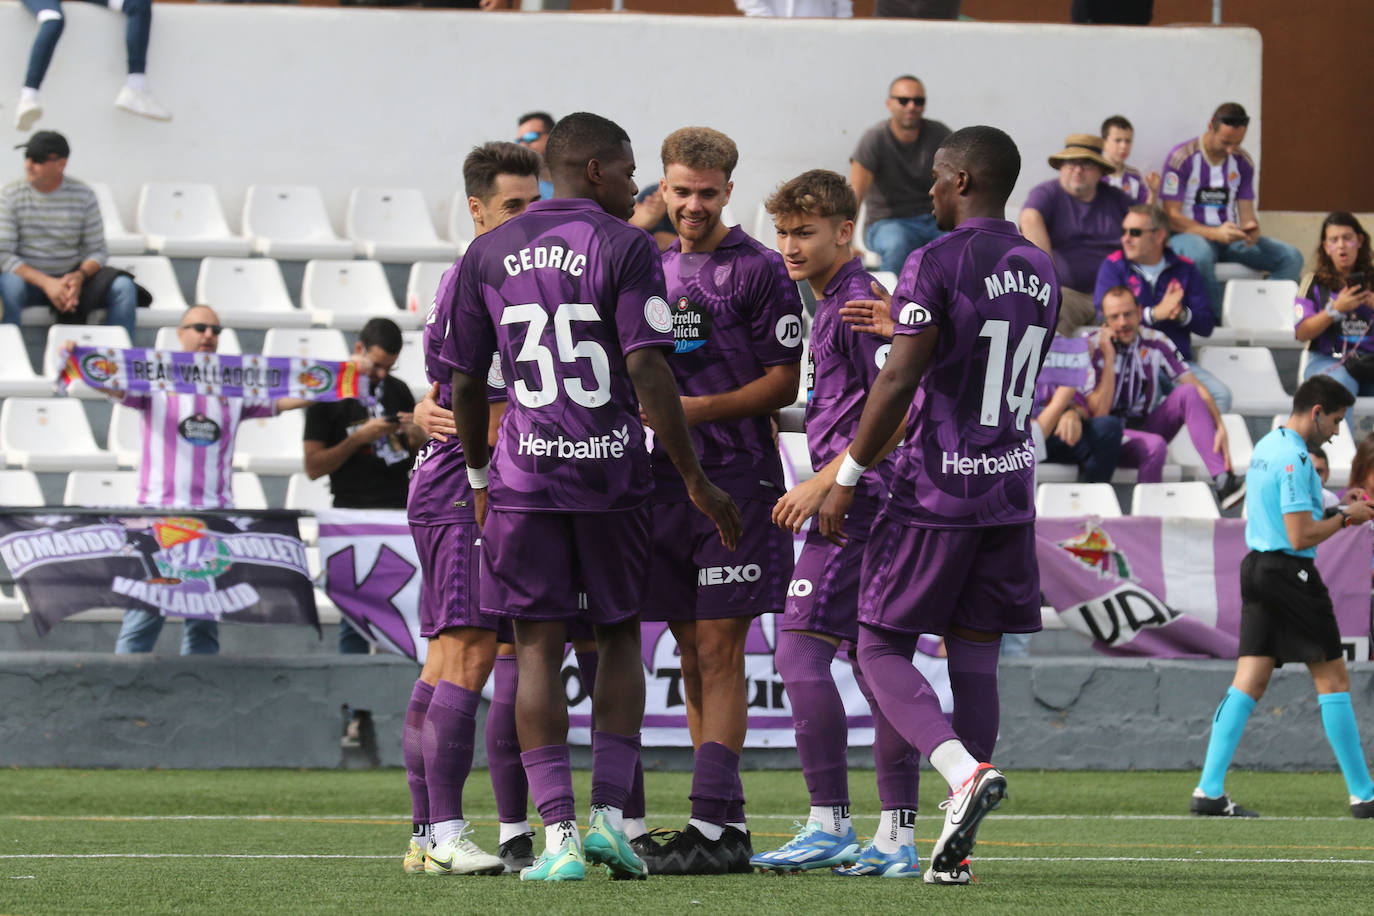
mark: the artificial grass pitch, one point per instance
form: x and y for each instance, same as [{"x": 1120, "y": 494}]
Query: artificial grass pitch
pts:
[{"x": 235, "y": 841}]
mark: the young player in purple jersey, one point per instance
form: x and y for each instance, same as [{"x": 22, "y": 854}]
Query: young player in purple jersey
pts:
[
  {"x": 738, "y": 331},
  {"x": 952, "y": 552},
  {"x": 572, "y": 296},
  {"x": 500, "y": 179},
  {"x": 814, "y": 215}
]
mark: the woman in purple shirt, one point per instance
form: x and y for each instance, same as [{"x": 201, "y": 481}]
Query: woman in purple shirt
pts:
[{"x": 1335, "y": 309}]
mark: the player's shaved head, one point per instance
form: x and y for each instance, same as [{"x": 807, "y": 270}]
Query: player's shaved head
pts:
[
  {"x": 485, "y": 162},
  {"x": 700, "y": 149},
  {"x": 989, "y": 156},
  {"x": 581, "y": 137}
]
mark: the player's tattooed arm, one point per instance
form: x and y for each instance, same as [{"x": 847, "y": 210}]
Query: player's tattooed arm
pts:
[{"x": 661, "y": 405}]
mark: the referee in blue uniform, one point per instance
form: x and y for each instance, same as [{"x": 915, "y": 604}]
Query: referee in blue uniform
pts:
[{"x": 1286, "y": 613}]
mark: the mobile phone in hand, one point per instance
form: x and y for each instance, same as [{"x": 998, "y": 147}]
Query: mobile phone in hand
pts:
[{"x": 1357, "y": 280}]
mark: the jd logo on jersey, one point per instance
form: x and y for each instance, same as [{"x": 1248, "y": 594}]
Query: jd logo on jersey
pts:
[
  {"x": 199, "y": 430},
  {"x": 691, "y": 326}
]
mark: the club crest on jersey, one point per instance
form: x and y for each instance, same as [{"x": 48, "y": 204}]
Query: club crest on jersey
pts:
[
  {"x": 1093, "y": 547},
  {"x": 657, "y": 314},
  {"x": 495, "y": 378},
  {"x": 691, "y": 326},
  {"x": 199, "y": 430},
  {"x": 722, "y": 273}
]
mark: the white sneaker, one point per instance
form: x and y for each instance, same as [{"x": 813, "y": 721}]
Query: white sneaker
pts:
[
  {"x": 461, "y": 856},
  {"x": 964, "y": 811},
  {"x": 141, "y": 102},
  {"x": 26, "y": 113}
]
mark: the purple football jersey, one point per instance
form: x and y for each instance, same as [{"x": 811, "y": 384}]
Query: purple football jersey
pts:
[
  {"x": 439, "y": 491},
  {"x": 968, "y": 460},
  {"x": 844, "y": 363},
  {"x": 563, "y": 292},
  {"x": 735, "y": 312}
]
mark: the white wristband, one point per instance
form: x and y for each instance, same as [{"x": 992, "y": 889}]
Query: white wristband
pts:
[
  {"x": 850, "y": 471},
  {"x": 477, "y": 477}
]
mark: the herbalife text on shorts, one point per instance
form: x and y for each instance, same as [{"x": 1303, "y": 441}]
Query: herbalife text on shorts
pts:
[
  {"x": 594, "y": 447},
  {"x": 1018, "y": 459}
]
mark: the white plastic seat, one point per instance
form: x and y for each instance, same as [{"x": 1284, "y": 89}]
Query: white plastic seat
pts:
[
  {"x": 228, "y": 341},
  {"x": 1252, "y": 377},
  {"x": 248, "y": 491},
  {"x": 185, "y": 220},
  {"x": 870, "y": 259},
  {"x": 313, "y": 343},
  {"x": 248, "y": 292},
  {"x": 17, "y": 378},
  {"x": 50, "y": 434},
  {"x": 345, "y": 294},
  {"x": 124, "y": 438},
  {"x": 393, "y": 225},
  {"x": 1340, "y": 453},
  {"x": 1191, "y": 499},
  {"x": 118, "y": 239},
  {"x": 887, "y": 278},
  {"x": 422, "y": 284},
  {"x": 1261, "y": 311},
  {"x": 101, "y": 488},
  {"x": 84, "y": 335},
  {"x": 1065, "y": 500},
  {"x": 154, "y": 273},
  {"x": 290, "y": 223},
  {"x": 764, "y": 230},
  {"x": 1227, "y": 271},
  {"x": 271, "y": 445},
  {"x": 1182, "y": 452},
  {"x": 308, "y": 495},
  {"x": 410, "y": 364},
  {"x": 20, "y": 488},
  {"x": 460, "y": 221}
]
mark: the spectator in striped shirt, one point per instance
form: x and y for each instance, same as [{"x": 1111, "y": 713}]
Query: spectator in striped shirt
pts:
[
  {"x": 1209, "y": 194},
  {"x": 52, "y": 243}
]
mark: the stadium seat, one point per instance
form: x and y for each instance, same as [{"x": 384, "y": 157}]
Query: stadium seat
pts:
[
  {"x": 20, "y": 488},
  {"x": 1192, "y": 499},
  {"x": 345, "y": 294},
  {"x": 290, "y": 223},
  {"x": 1182, "y": 452},
  {"x": 124, "y": 439},
  {"x": 249, "y": 293},
  {"x": 308, "y": 495},
  {"x": 1261, "y": 311},
  {"x": 118, "y": 240},
  {"x": 248, "y": 491},
  {"x": 187, "y": 221},
  {"x": 1340, "y": 453},
  {"x": 271, "y": 445},
  {"x": 423, "y": 284},
  {"x": 101, "y": 488},
  {"x": 887, "y": 278},
  {"x": 460, "y": 221},
  {"x": 155, "y": 274},
  {"x": 393, "y": 225},
  {"x": 870, "y": 259},
  {"x": 410, "y": 365},
  {"x": 49, "y": 434},
  {"x": 1227, "y": 271},
  {"x": 1252, "y": 377},
  {"x": 228, "y": 341},
  {"x": 84, "y": 335},
  {"x": 1065, "y": 500},
  {"x": 17, "y": 378},
  {"x": 763, "y": 229},
  {"x": 315, "y": 343}
]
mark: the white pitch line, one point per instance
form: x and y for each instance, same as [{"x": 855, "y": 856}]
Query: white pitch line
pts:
[
  {"x": 655, "y": 816},
  {"x": 1208, "y": 860}
]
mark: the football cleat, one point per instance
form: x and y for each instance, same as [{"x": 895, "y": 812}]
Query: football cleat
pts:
[
  {"x": 517, "y": 853},
  {"x": 1361, "y": 809},
  {"x": 960, "y": 874},
  {"x": 737, "y": 848},
  {"x": 964, "y": 811},
  {"x": 566, "y": 863},
  {"x": 461, "y": 856},
  {"x": 414, "y": 862},
  {"x": 873, "y": 863},
  {"x": 1206, "y": 806},
  {"x": 604, "y": 845},
  {"x": 811, "y": 848},
  {"x": 687, "y": 852}
]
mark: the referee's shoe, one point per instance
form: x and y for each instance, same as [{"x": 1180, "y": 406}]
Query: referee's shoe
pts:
[{"x": 1206, "y": 806}]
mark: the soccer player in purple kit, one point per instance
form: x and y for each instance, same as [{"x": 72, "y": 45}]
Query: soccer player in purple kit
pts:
[
  {"x": 952, "y": 552},
  {"x": 738, "y": 331},
  {"x": 501, "y": 180},
  {"x": 572, "y": 296},
  {"x": 814, "y": 215}
]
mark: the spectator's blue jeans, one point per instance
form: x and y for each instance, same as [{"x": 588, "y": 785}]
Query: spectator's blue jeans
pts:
[
  {"x": 1095, "y": 452},
  {"x": 121, "y": 303},
  {"x": 140, "y": 630},
  {"x": 1282, "y": 260},
  {"x": 50, "y": 24},
  {"x": 1215, "y": 386},
  {"x": 893, "y": 239}
]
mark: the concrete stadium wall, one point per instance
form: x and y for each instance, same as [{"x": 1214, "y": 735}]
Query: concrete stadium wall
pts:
[
  {"x": 1064, "y": 713},
  {"x": 341, "y": 98}
]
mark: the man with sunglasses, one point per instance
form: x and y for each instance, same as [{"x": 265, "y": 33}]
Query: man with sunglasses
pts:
[
  {"x": 52, "y": 243},
  {"x": 890, "y": 172},
  {"x": 1209, "y": 194},
  {"x": 532, "y": 132},
  {"x": 1171, "y": 293}
]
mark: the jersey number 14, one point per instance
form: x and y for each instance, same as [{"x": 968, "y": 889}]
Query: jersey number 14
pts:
[
  {"x": 1020, "y": 389},
  {"x": 544, "y": 391}
]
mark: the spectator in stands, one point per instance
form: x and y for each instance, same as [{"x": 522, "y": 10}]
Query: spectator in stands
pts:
[
  {"x": 1209, "y": 194},
  {"x": 1335, "y": 308},
  {"x": 1117, "y": 137},
  {"x": 1146, "y": 360},
  {"x": 1076, "y": 219},
  {"x": 532, "y": 130},
  {"x": 1172, "y": 296},
  {"x": 133, "y": 97},
  {"x": 890, "y": 172},
  {"x": 366, "y": 448},
  {"x": 651, "y": 215},
  {"x": 52, "y": 243},
  {"x": 1322, "y": 466},
  {"x": 1076, "y": 423}
]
